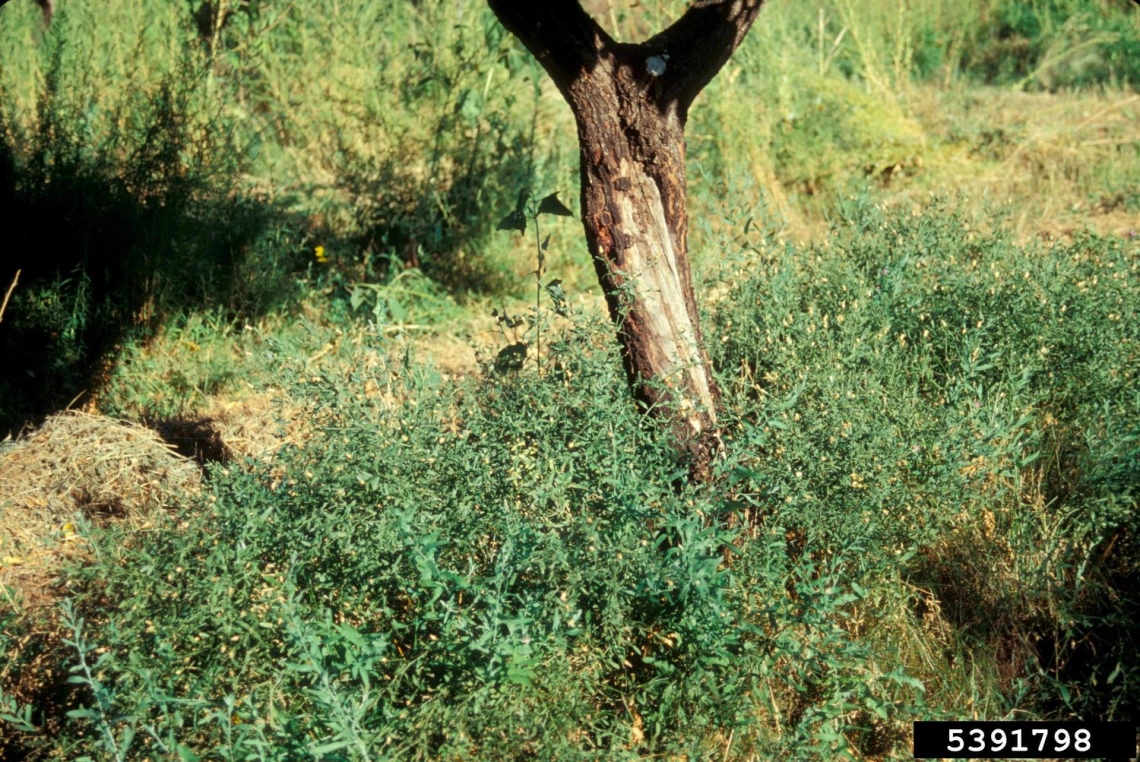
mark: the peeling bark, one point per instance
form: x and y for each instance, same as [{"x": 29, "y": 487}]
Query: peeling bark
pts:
[{"x": 630, "y": 102}]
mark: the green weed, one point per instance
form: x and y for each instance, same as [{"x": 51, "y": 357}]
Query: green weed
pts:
[
  {"x": 930, "y": 483},
  {"x": 946, "y": 390},
  {"x": 928, "y": 507}
]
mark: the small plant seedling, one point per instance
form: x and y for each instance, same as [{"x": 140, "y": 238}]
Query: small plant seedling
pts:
[{"x": 528, "y": 207}]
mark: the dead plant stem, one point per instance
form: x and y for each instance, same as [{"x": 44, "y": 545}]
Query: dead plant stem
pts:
[{"x": 8, "y": 295}]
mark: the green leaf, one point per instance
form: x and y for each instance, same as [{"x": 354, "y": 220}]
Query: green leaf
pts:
[
  {"x": 127, "y": 739},
  {"x": 899, "y": 675},
  {"x": 352, "y": 635},
  {"x": 520, "y": 205},
  {"x": 20, "y": 723},
  {"x": 516, "y": 220},
  {"x": 396, "y": 310},
  {"x": 253, "y": 150},
  {"x": 471, "y": 105},
  {"x": 327, "y": 748},
  {"x": 519, "y": 678},
  {"x": 511, "y": 358},
  {"x": 358, "y": 296},
  {"x": 551, "y": 205},
  {"x": 554, "y": 288},
  {"x": 186, "y": 755}
]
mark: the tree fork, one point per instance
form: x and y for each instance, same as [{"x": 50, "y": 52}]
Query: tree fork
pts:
[{"x": 631, "y": 102}]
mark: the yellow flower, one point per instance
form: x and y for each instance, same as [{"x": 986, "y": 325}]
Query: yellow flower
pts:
[{"x": 319, "y": 252}]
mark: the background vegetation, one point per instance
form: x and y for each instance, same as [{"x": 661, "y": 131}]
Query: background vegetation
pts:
[{"x": 915, "y": 233}]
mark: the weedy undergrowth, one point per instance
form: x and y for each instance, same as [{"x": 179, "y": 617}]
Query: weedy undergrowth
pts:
[
  {"x": 497, "y": 569},
  {"x": 946, "y": 390},
  {"x": 932, "y": 440}
]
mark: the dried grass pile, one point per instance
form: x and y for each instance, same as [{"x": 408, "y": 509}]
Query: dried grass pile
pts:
[
  {"x": 256, "y": 426},
  {"x": 236, "y": 428},
  {"x": 75, "y": 463},
  {"x": 83, "y": 463}
]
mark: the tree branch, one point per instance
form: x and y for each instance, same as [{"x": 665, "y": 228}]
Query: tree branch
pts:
[
  {"x": 559, "y": 33},
  {"x": 698, "y": 45}
]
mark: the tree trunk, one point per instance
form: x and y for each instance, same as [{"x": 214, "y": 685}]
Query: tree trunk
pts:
[
  {"x": 47, "y": 8},
  {"x": 633, "y": 210},
  {"x": 630, "y": 103}
]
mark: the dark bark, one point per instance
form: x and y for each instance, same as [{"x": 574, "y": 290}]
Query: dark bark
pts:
[{"x": 631, "y": 102}]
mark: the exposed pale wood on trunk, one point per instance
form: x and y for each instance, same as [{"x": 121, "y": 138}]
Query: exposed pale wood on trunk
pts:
[{"x": 630, "y": 103}]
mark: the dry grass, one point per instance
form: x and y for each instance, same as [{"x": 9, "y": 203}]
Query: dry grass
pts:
[
  {"x": 78, "y": 464},
  {"x": 1061, "y": 162},
  {"x": 1055, "y": 163},
  {"x": 237, "y": 426}
]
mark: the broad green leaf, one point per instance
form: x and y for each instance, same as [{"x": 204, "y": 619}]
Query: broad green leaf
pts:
[
  {"x": 396, "y": 310},
  {"x": 551, "y": 205},
  {"x": 352, "y": 635},
  {"x": 516, "y": 220},
  {"x": 470, "y": 105},
  {"x": 357, "y": 298},
  {"x": 253, "y": 150},
  {"x": 511, "y": 357}
]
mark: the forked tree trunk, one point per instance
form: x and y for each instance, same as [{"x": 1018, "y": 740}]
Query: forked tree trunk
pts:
[{"x": 631, "y": 103}]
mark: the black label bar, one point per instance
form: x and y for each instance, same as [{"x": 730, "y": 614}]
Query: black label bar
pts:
[{"x": 1025, "y": 740}]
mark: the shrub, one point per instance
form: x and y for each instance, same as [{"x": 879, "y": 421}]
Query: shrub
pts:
[
  {"x": 496, "y": 570},
  {"x": 935, "y": 387},
  {"x": 929, "y": 497}
]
